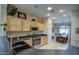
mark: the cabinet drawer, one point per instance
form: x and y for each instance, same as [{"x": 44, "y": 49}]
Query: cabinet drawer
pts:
[{"x": 44, "y": 40}]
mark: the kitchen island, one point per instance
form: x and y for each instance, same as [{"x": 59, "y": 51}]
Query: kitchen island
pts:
[{"x": 21, "y": 43}]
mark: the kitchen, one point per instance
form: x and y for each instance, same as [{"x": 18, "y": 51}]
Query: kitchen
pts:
[
  {"x": 24, "y": 33},
  {"x": 31, "y": 29}
]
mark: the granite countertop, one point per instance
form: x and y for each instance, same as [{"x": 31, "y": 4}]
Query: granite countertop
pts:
[
  {"x": 27, "y": 35},
  {"x": 36, "y": 35}
]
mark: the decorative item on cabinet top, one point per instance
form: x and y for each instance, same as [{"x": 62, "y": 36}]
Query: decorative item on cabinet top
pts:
[
  {"x": 22, "y": 15},
  {"x": 33, "y": 20},
  {"x": 11, "y": 10}
]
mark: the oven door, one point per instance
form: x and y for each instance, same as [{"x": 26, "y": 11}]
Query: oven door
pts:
[{"x": 36, "y": 42}]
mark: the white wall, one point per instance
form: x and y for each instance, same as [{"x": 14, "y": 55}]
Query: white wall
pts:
[
  {"x": 48, "y": 29},
  {"x": 4, "y": 44},
  {"x": 2, "y": 19},
  {"x": 28, "y": 15},
  {"x": 74, "y": 25},
  {"x": 0, "y": 13},
  {"x": 3, "y": 13}
]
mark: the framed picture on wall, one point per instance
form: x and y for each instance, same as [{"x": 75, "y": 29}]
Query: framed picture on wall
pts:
[{"x": 22, "y": 15}]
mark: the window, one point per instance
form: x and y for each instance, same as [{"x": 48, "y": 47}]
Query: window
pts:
[{"x": 63, "y": 30}]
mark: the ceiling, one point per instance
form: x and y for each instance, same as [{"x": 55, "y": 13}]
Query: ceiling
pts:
[{"x": 40, "y": 10}]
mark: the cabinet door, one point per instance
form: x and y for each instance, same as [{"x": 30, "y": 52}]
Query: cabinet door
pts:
[
  {"x": 41, "y": 42},
  {"x": 29, "y": 41},
  {"x": 26, "y": 25},
  {"x": 15, "y": 24},
  {"x": 18, "y": 25},
  {"x": 33, "y": 23},
  {"x": 41, "y": 27},
  {"x": 10, "y": 22},
  {"x": 44, "y": 40}
]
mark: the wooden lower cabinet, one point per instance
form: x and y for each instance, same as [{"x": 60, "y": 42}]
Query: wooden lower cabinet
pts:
[
  {"x": 28, "y": 41},
  {"x": 44, "y": 40}
]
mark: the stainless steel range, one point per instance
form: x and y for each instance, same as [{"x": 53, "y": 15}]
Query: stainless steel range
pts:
[{"x": 36, "y": 41}]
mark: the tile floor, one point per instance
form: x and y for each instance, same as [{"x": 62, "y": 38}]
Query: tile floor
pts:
[
  {"x": 55, "y": 45},
  {"x": 70, "y": 51}
]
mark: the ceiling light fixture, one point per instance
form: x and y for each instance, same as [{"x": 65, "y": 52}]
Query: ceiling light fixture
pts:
[
  {"x": 61, "y": 11},
  {"x": 49, "y": 8},
  {"x": 53, "y": 17},
  {"x": 64, "y": 15},
  {"x": 48, "y": 14}
]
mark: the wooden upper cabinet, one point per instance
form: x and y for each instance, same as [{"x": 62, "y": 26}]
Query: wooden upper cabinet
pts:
[
  {"x": 41, "y": 27},
  {"x": 26, "y": 25},
  {"x": 14, "y": 24},
  {"x": 33, "y": 23}
]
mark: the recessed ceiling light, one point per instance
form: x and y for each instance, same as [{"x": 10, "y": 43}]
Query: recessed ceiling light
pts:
[
  {"x": 61, "y": 11},
  {"x": 48, "y": 14},
  {"x": 64, "y": 15},
  {"x": 49, "y": 8},
  {"x": 53, "y": 17}
]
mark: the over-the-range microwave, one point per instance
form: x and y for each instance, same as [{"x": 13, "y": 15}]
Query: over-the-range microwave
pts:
[{"x": 34, "y": 28}]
